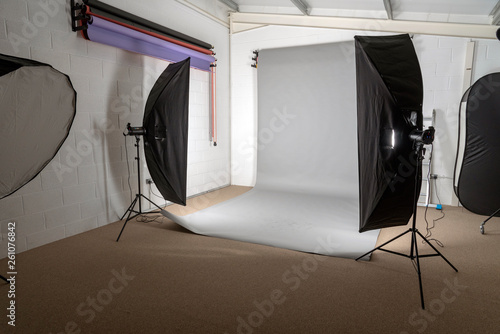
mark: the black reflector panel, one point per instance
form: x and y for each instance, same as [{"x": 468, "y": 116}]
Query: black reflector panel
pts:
[{"x": 477, "y": 177}]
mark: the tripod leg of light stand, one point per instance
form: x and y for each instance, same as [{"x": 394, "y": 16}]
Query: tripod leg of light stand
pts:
[
  {"x": 419, "y": 272},
  {"x": 482, "y": 225},
  {"x": 438, "y": 252},
  {"x": 385, "y": 243},
  {"x": 137, "y": 199},
  {"x": 150, "y": 201},
  {"x": 129, "y": 210},
  {"x": 3, "y": 278}
]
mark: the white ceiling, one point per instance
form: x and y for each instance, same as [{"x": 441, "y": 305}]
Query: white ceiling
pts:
[
  {"x": 455, "y": 11},
  {"x": 462, "y": 7}
]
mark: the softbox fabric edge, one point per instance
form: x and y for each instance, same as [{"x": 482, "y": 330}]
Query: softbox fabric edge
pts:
[
  {"x": 166, "y": 120},
  {"x": 12, "y": 64},
  {"x": 387, "y": 68}
]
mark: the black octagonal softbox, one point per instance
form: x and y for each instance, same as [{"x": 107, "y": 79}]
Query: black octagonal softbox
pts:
[
  {"x": 166, "y": 117},
  {"x": 165, "y": 132},
  {"x": 37, "y": 108},
  {"x": 389, "y": 103}
]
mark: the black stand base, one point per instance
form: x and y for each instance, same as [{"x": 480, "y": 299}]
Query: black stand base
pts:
[
  {"x": 482, "y": 225},
  {"x": 4, "y": 279},
  {"x": 414, "y": 256},
  {"x": 138, "y": 196},
  {"x": 131, "y": 210}
]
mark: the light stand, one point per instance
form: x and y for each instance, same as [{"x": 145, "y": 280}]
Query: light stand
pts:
[
  {"x": 493, "y": 215},
  {"x": 137, "y": 132},
  {"x": 419, "y": 140}
]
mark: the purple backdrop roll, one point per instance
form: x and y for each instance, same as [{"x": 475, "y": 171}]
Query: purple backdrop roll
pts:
[{"x": 113, "y": 34}]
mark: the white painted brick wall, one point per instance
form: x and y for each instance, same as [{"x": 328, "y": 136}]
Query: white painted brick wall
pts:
[
  {"x": 88, "y": 173},
  {"x": 14, "y": 8},
  {"x": 91, "y": 67},
  {"x": 442, "y": 93},
  {"x": 42, "y": 201},
  {"x": 102, "y": 52},
  {"x": 58, "y": 60},
  {"x": 28, "y": 224},
  {"x": 486, "y": 58},
  {"x": 38, "y": 37},
  {"x": 110, "y": 186},
  {"x": 80, "y": 226},
  {"x": 86, "y": 184},
  {"x": 92, "y": 208},
  {"x": 80, "y": 193},
  {"x": 11, "y": 207},
  {"x": 45, "y": 237},
  {"x": 52, "y": 179},
  {"x": 3, "y": 32},
  {"x": 68, "y": 42},
  {"x": 47, "y": 14},
  {"x": 62, "y": 215}
]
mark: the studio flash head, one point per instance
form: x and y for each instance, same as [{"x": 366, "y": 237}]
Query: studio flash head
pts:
[
  {"x": 134, "y": 131},
  {"x": 425, "y": 137}
]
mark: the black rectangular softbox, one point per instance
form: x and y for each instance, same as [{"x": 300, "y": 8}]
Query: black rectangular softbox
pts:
[{"x": 389, "y": 104}]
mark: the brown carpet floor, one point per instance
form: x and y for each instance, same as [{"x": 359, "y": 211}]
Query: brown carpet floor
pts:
[{"x": 160, "y": 278}]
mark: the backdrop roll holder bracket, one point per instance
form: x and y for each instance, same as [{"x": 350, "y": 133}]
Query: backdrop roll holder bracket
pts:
[
  {"x": 255, "y": 58},
  {"x": 78, "y": 17},
  {"x": 137, "y": 132},
  {"x": 425, "y": 137}
]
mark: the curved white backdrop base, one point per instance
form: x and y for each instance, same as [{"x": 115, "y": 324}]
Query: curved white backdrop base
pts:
[{"x": 306, "y": 197}]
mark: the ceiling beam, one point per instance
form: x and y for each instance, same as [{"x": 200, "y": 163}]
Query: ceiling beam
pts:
[
  {"x": 231, "y": 4},
  {"x": 203, "y": 12},
  {"x": 302, "y": 6},
  {"x": 495, "y": 14},
  {"x": 388, "y": 9},
  {"x": 398, "y": 26}
]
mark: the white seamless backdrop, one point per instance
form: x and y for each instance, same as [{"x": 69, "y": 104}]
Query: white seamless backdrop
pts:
[
  {"x": 306, "y": 195},
  {"x": 442, "y": 60}
]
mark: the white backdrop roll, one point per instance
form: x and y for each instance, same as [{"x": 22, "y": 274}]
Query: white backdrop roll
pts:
[{"x": 306, "y": 195}]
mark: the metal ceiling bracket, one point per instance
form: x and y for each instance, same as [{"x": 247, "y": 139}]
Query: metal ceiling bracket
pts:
[
  {"x": 388, "y": 9},
  {"x": 302, "y": 6},
  {"x": 495, "y": 14}
]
